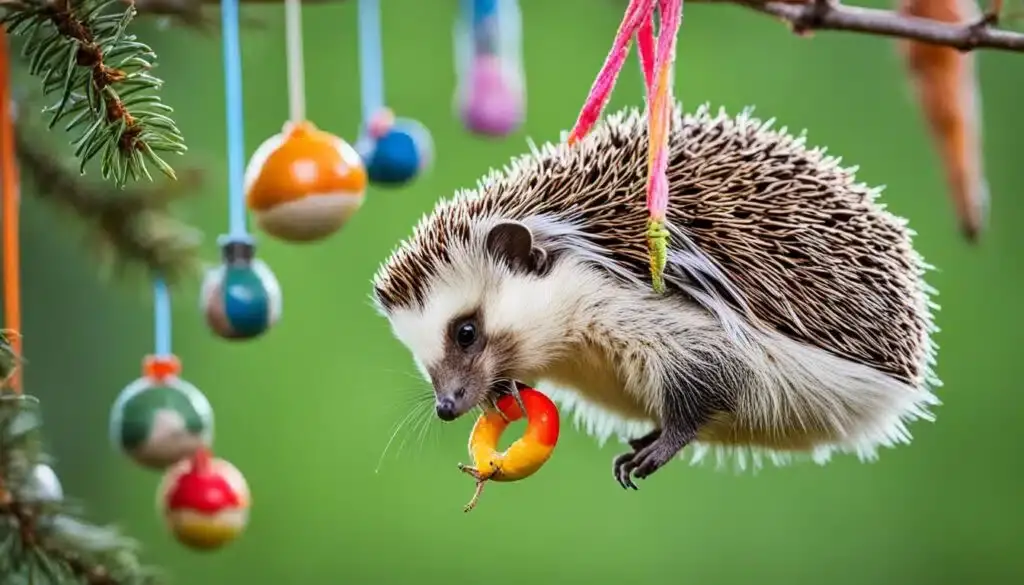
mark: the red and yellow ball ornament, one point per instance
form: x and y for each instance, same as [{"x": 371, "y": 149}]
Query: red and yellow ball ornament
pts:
[
  {"x": 205, "y": 501},
  {"x": 304, "y": 184}
]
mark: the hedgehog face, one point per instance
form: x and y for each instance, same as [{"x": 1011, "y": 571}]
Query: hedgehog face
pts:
[{"x": 485, "y": 321}]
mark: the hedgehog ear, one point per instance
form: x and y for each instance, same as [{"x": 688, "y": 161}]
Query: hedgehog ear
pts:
[{"x": 512, "y": 242}]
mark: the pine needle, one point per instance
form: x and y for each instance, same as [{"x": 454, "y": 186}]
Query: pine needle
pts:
[
  {"x": 100, "y": 75},
  {"x": 43, "y": 541}
]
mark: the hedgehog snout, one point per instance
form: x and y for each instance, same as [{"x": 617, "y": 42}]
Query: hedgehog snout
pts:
[
  {"x": 446, "y": 409},
  {"x": 453, "y": 397},
  {"x": 448, "y": 406}
]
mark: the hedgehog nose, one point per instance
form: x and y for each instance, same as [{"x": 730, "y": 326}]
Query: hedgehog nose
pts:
[{"x": 446, "y": 409}]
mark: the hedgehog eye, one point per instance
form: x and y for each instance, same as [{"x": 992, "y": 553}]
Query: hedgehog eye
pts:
[{"x": 466, "y": 333}]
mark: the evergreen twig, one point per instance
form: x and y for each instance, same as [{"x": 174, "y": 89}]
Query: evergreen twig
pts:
[
  {"x": 134, "y": 227},
  {"x": 101, "y": 73},
  {"x": 42, "y": 538}
]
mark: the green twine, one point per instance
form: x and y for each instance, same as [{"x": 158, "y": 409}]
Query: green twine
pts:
[{"x": 657, "y": 249}]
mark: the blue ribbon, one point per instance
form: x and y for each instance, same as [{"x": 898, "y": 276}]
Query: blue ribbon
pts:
[
  {"x": 371, "y": 62},
  {"x": 162, "y": 317},
  {"x": 235, "y": 124}
]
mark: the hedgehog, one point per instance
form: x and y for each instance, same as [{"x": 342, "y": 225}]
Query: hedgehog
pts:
[{"x": 796, "y": 320}]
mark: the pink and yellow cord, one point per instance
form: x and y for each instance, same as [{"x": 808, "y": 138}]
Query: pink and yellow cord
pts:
[{"x": 657, "y": 57}]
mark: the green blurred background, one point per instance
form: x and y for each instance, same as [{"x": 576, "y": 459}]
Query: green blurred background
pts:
[{"x": 307, "y": 411}]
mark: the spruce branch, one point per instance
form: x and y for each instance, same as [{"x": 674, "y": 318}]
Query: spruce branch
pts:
[
  {"x": 42, "y": 537},
  {"x": 805, "y": 16},
  {"x": 133, "y": 227},
  {"x": 101, "y": 75}
]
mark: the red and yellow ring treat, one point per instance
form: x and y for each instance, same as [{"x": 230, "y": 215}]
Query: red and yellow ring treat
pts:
[{"x": 526, "y": 455}]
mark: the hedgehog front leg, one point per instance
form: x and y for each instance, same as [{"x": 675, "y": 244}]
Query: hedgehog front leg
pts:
[{"x": 686, "y": 409}]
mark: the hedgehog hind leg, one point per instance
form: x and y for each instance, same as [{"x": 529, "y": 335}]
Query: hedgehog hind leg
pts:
[{"x": 690, "y": 400}]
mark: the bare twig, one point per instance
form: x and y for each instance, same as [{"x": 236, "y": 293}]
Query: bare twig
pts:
[
  {"x": 811, "y": 15},
  {"x": 190, "y": 12}
]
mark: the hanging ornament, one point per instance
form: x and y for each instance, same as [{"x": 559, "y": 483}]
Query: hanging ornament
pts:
[
  {"x": 303, "y": 184},
  {"x": 241, "y": 298},
  {"x": 159, "y": 419},
  {"x": 491, "y": 92},
  {"x": 205, "y": 501},
  {"x": 394, "y": 150},
  {"x": 42, "y": 486}
]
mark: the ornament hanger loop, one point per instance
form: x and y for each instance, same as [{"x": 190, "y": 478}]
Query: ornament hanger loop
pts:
[
  {"x": 235, "y": 120},
  {"x": 296, "y": 74},
  {"x": 162, "y": 318},
  {"x": 371, "y": 62}
]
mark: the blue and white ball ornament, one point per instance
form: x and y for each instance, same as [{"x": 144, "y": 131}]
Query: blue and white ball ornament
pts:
[
  {"x": 241, "y": 298},
  {"x": 394, "y": 151}
]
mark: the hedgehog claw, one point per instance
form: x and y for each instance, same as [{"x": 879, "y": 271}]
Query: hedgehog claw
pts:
[
  {"x": 651, "y": 453},
  {"x": 621, "y": 464},
  {"x": 620, "y": 467}
]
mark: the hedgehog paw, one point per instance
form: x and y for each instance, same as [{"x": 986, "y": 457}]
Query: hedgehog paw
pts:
[
  {"x": 655, "y": 456},
  {"x": 644, "y": 462},
  {"x": 620, "y": 465}
]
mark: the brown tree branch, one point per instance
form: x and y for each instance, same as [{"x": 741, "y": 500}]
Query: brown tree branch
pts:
[
  {"x": 810, "y": 15},
  {"x": 802, "y": 15},
  {"x": 191, "y": 13},
  {"x": 132, "y": 228}
]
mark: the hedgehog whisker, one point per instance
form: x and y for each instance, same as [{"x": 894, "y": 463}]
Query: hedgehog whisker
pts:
[
  {"x": 416, "y": 408},
  {"x": 423, "y": 426},
  {"x": 419, "y": 425}
]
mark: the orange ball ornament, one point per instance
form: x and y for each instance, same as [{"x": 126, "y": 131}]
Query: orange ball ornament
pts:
[
  {"x": 304, "y": 184},
  {"x": 205, "y": 501}
]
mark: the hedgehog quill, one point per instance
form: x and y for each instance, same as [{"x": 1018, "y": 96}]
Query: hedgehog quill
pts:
[{"x": 796, "y": 320}]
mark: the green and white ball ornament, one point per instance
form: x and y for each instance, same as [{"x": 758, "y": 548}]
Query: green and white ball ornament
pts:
[{"x": 159, "y": 422}]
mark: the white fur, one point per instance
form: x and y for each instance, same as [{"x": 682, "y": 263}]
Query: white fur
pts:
[{"x": 587, "y": 334}]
